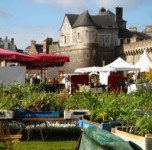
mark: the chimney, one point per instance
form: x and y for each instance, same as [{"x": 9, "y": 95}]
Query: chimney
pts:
[
  {"x": 33, "y": 42},
  {"x": 119, "y": 16},
  {"x": 102, "y": 11}
]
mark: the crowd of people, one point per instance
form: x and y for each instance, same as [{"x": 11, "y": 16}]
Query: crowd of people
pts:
[
  {"x": 35, "y": 79},
  {"x": 55, "y": 84}
]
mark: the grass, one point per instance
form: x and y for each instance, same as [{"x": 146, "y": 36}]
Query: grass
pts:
[
  {"x": 48, "y": 145},
  {"x": 39, "y": 145},
  {"x": 58, "y": 139}
]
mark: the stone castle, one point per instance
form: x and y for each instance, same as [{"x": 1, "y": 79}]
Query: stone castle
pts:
[
  {"x": 8, "y": 44},
  {"x": 96, "y": 40}
]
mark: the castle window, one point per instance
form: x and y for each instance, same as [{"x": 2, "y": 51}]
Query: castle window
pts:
[
  {"x": 78, "y": 36},
  {"x": 104, "y": 39},
  {"x": 9, "y": 46},
  {"x": 64, "y": 40}
]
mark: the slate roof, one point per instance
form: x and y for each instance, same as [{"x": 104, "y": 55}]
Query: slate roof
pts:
[
  {"x": 142, "y": 35},
  {"x": 106, "y": 20},
  {"x": 83, "y": 19},
  {"x": 107, "y": 13},
  {"x": 124, "y": 33},
  {"x": 71, "y": 18}
]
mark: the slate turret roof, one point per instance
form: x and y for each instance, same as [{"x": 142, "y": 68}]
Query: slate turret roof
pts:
[
  {"x": 104, "y": 20},
  {"x": 83, "y": 19}
]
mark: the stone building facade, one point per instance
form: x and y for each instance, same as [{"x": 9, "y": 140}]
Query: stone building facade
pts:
[
  {"x": 34, "y": 48},
  {"x": 96, "y": 40},
  {"x": 132, "y": 52},
  {"x": 7, "y": 43}
]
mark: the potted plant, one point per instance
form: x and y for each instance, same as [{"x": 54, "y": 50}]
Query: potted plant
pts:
[
  {"x": 103, "y": 111},
  {"x": 21, "y": 101},
  {"x": 75, "y": 105},
  {"x": 136, "y": 119},
  {"x": 38, "y": 104},
  {"x": 9, "y": 100}
]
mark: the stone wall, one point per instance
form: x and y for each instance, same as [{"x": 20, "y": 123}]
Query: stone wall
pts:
[
  {"x": 82, "y": 55},
  {"x": 133, "y": 51}
]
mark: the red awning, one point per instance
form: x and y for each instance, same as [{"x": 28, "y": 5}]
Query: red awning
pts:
[
  {"x": 49, "y": 57},
  {"x": 48, "y": 60},
  {"x": 14, "y": 56},
  {"x": 35, "y": 61}
]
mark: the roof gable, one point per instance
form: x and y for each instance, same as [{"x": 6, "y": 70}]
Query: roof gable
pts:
[
  {"x": 106, "y": 20},
  {"x": 71, "y": 18}
]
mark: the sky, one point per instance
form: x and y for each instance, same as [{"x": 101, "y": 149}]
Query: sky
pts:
[{"x": 26, "y": 20}]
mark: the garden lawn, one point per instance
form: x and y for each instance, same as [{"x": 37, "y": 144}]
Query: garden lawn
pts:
[{"x": 47, "y": 145}]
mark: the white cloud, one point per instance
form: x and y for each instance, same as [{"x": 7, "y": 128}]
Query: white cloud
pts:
[
  {"x": 128, "y": 4},
  {"x": 23, "y": 36},
  {"x": 67, "y": 5},
  {"x": 61, "y": 2}
]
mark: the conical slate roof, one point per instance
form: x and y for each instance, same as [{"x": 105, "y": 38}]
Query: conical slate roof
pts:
[
  {"x": 104, "y": 19},
  {"x": 83, "y": 19}
]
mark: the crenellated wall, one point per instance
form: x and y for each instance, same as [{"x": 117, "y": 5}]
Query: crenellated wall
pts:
[
  {"x": 83, "y": 55},
  {"x": 133, "y": 51}
]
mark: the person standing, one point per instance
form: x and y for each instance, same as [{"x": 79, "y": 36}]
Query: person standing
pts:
[{"x": 35, "y": 79}]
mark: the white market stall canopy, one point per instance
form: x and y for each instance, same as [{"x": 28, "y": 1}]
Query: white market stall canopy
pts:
[
  {"x": 93, "y": 69},
  {"x": 144, "y": 63},
  {"x": 118, "y": 65}
]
